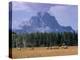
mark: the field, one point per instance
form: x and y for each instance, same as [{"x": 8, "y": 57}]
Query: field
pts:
[{"x": 43, "y": 51}]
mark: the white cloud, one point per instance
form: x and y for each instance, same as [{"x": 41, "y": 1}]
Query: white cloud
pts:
[
  {"x": 26, "y": 22},
  {"x": 18, "y": 25},
  {"x": 66, "y": 15},
  {"x": 56, "y": 29},
  {"x": 62, "y": 14},
  {"x": 15, "y": 25},
  {"x": 20, "y": 6},
  {"x": 44, "y": 29}
]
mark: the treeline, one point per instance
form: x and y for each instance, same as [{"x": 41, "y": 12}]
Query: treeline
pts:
[{"x": 43, "y": 39}]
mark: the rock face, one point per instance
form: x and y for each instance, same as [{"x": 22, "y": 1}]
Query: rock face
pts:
[{"x": 43, "y": 22}]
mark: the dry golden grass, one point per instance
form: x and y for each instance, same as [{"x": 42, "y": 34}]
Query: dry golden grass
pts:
[{"x": 43, "y": 51}]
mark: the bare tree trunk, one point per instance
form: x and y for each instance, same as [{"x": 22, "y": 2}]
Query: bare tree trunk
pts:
[{"x": 24, "y": 43}]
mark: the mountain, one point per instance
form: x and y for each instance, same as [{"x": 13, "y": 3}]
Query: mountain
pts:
[{"x": 43, "y": 22}]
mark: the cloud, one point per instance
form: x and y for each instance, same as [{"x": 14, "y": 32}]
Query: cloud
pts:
[
  {"x": 38, "y": 7},
  {"x": 26, "y": 22},
  {"x": 66, "y": 15},
  {"x": 60, "y": 13},
  {"x": 20, "y": 6},
  {"x": 43, "y": 29},
  {"x": 15, "y": 25}
]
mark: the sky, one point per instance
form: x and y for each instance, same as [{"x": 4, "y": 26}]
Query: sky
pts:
[{"x": 66, "y": 15}]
